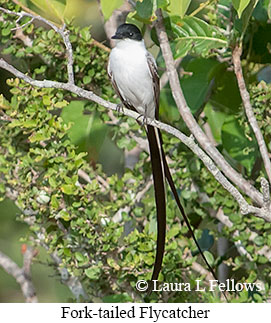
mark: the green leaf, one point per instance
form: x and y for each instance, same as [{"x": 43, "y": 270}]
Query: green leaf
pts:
[
  {"x": 247, "y": 14},
  {"x": 79, "y": 256},
  {"x": 9, "y": 50},
  {"x": 6, "y": 31},
  {"x": 112, "y": 263},
  {"x": 145, "y": 9},
  {"x": 53, "y": 9},
  {"x": 67, "y": 252},
  {"x": 178, "y": 7},
  {"x": 225, "y": 96},
  {"x": 109, "y": 6},
  {"x": 52, "y": 181},
  {"x": 269, "y": 10},
  {"x": 2, "y": 188},
  {"x": 30, "y": 123},
  {"x": 38, "y": 136},
  {"x": 240, "y": 6},
  {"x": 64, "y": 215},
  {"x": 258, "y": 298},
  {"x": 173, "y": 231},
  {"x": 117, "y": 298},
  {"x": 259, "y": 240},
  {"x": 4, "y": 103},
  {"x": 54, "y": 202},
  {"x": 46, "y": 100},
  {"x": 61, "y": 104},
  {"x": 194, "y": 35},
  {"x": 85, "y": 33},
  {"x": 86, "y": 79},
  {"x": 40, "y": 70},
  {"x": 244, "y": 17},
  {"x": 235, "y": 217},
  {"x": 51, "y": 34},
  {"x": 201, "y": 79},
  {"x": 209, "y": 257},
  {"x": 88, "y": 132},
  {"x": 68, "y": 189},
  {"x": 93, "y": 272},
  {"x": 215, "y": 120},
  {"x": 145, "y": 246},
  {"x": 238, "y": 146}
]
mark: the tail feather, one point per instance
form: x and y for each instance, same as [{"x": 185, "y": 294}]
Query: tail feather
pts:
[
  {"x": 160, "y": 199},
  {"x": 161, "y": 172}
]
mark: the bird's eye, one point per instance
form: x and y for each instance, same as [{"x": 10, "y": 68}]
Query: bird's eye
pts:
[{"x": 131, "y": 34}]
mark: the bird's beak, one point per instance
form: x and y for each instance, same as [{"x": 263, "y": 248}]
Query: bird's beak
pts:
[{"x": 117, "y": 36}]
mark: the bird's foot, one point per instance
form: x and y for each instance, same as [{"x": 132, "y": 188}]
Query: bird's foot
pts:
[
  {"x": 119, "y": 108},
  {"x": 143, "y": 121}
]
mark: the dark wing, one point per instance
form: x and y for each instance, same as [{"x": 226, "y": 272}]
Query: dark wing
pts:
[{"x": 155, "y": 79}]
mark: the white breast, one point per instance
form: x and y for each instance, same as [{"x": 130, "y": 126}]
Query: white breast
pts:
[{"x": 129, "y": 67}]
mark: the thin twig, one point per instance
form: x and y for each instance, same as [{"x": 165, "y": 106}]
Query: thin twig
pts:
[
  {"x": 238, "y": 244},
  {"x": 72, "y": 282},
  {"x": 61, "y": 31},
  {"x": 117, "y": 18},
  {"x": 265, "y": 250},
  {"x": 164, "y": 77},
  {"x": 200, "y": 7},
  {"x": 95, "y": 42},
  {"x": 202, "y": 271},
  {"x": 236, "y": 57},
  {"x": 22, "y": 26},
  {"x": 266, "y": 193},
  {"x": 22, "y": 275}
]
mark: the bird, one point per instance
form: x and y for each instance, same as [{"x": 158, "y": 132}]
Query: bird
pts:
[{"x": 134, "y": 76}]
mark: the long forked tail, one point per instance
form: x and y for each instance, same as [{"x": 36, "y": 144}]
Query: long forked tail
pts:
[
  {"x": 161, "y": 171},
  {"x": 160, "y": 199}
]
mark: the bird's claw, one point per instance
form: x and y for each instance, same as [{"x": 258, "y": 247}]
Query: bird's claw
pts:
[
  {"x": 119, "y": 108},
  {"x": 144, "y": 120}
]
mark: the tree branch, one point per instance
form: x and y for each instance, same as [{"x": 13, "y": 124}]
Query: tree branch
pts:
[
  {"x": 191, "y": 123},
  {"x": 236, "y": 58},
  {"x": 72, "y": 282},
  {"x": 22, "y": 275},
  {"x": 188, "y": 141},
  {"x": 61, "y": 31},
  {"x": 238, "y": 244},
  {"x": 117, "y": 18}
]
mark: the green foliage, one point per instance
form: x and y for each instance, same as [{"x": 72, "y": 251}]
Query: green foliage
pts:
[
  {"x": 194, "y": 35},
  {"x": 54, "y": 8},
  {"x": 239, "y": 147},
  {"x": 49, "y": 137},
  {"x": 145, "y": 9},
  {"x": 202, "y": 74},
  {"x": 109, "y": 6},
  {"x": 240, "y": 6},
  {"x": 178, "y": 7}
]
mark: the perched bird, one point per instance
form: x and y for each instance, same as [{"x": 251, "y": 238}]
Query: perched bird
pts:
[{"x": 133, "y": 73}]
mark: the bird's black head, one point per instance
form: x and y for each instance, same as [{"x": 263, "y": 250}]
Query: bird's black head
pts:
[{"x": 128, "y": 31}]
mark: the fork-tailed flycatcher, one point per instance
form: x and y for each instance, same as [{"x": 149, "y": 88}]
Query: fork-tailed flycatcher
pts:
[{"x": 133, "y": 73}]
